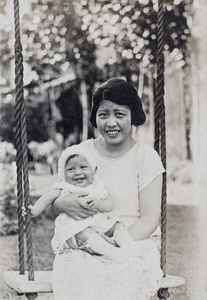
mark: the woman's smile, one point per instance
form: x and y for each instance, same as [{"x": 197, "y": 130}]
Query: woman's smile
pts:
[{"x": 113, "y": 133}]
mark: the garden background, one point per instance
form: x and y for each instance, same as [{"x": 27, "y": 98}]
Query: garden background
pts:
[{"x": 69, "y": 47}]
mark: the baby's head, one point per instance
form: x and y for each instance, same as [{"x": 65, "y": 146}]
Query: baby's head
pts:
[{"x": 76, "y": 166}]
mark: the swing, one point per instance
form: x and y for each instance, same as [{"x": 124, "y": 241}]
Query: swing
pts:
[{"x": 33, "y": 282}]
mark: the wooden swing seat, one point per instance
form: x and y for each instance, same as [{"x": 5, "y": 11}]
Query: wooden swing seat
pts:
[{"x": 42, "y": 282}]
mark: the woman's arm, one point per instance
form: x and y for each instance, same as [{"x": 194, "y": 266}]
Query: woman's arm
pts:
[
  {"x": 43, "y": 202},
  {"x": 150, "y": 208},
  {"x": 74, "y": 205}
]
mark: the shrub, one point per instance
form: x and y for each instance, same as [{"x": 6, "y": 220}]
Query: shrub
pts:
[
  {"x": 8, "y": 203},
  {"x": 7, "y": 153}
]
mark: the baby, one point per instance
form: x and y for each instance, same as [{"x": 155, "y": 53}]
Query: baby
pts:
[{"x": 77, "y": 171}]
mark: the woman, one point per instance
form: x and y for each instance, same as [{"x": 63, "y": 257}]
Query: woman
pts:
[{"x": 131, "y": 172}]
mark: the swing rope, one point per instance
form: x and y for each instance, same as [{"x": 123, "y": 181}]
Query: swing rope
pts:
[
  {"x": 160, "y": 137},
  {"x": 21, "y": 156},
  {"x": 160, "y": 128}
]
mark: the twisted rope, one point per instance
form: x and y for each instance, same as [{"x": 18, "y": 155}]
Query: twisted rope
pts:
[
  {"x": 21, "y": 157},
  {"x": 18, "y": 125},
  {"x": 160, "y": 128}
]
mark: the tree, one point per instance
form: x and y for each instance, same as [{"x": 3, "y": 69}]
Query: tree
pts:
[
  {"x": 54, "y": 42},
  {"x": 131, "y": 26}
]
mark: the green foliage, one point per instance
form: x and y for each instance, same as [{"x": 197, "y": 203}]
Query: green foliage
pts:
[
  {"x": 38, "y": 116},
  {"x": 7, "y": 122},
  {"x": 8, "y": 203},
  {"x": 8, "y": 206},
  {"x": 131, "y": 27},
  {"x": 65, "y": 34},
  {"x": 7, "y": 153},
  {"x": 54, "y": 42}
]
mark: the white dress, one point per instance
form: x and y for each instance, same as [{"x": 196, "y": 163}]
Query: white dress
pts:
[
  {"x": 78, "y": 275},
  {"x": 66, "y": 227}
]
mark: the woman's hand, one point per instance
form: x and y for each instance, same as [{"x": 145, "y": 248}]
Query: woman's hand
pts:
[
  {"x": 94, "y": 204},
  {"x": 74, "y": 205}
]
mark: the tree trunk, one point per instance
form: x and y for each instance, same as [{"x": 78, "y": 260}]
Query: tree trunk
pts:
[
  {"x": 84, "y": 102},
  {"x": 187, "y": 108}
]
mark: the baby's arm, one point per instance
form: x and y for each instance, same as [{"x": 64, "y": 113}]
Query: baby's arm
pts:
[
  {"x": 43, "y": 202},
  {"x": 104, "y": 205}
]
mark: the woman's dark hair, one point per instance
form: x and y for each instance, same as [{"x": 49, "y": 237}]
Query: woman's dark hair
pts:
[{"x": 120, "y": 92}]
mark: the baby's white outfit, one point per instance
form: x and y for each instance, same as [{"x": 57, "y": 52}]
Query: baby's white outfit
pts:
[{"x": 66, "y": 227}]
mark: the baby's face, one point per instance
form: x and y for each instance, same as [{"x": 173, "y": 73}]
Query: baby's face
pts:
[{"x": 78, "y": 171}]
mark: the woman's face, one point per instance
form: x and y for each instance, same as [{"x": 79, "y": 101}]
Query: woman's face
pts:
[{"x": 114, "y": 122}]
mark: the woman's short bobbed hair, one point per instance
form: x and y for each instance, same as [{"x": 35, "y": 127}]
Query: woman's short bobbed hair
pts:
[{"x": 120, "y": 92}]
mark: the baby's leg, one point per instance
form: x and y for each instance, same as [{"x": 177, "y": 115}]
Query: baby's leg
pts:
[
  {"x": 125, "y": 241},
  {"x": 99, "y": 245},
  {"x": 121, "y": 235},
  {"x": 83, "y": 237}
]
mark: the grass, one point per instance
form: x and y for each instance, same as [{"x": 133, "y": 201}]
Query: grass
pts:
[{"x": 182, "y": 254}]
